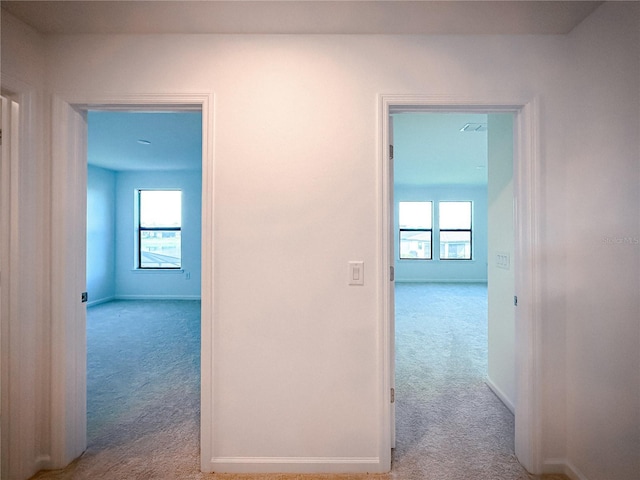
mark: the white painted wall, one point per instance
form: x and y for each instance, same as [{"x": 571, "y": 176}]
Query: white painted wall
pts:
[
  {"x": 296, "y": 359},
  {"x": 602, "y": 246},
  {"x": 295, "y": 158},
  {"x": 437, "y": 270},
  {"x": 101, "y": 234},
  {"x": 501, "y": 368},
  {"x": 132, "y": 283}
]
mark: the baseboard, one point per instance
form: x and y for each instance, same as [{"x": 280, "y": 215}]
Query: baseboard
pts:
[
  {"x": 443, "y": 280},
  {"x": 501, "y": 395},
  {"x": 562, "y": 465},
  {"x": 299, "y": 465},
  {"x": 43, "y": 462},
  {"x": 93, "y": 303},
  {"x": 157, "y": 297}
]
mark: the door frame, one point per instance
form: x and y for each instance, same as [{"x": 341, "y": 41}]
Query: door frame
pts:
[
  {"x": 25, "y": 286},
  {"x": 68, "y": 235},
  {"x": 527, "y": 198}
]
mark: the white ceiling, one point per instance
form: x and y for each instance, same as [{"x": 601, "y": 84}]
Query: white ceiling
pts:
[
  {"x": 175, "y": 140},
  {"x": 303, "y": 16},
  {"x": 430, "y": 149}
]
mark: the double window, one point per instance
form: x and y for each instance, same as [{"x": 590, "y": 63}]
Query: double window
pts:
[
  {"x": 159, "y": 229},
  {"x": 416, "y": 230}
]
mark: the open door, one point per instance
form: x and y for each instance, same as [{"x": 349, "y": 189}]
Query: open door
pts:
[
  {"x": 68, "y": 322},
  {"x": 501, "y": 374}
]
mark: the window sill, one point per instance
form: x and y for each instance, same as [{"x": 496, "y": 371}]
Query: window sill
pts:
[
  {"x": 158, "y": 270},
  {"x": 437, "y": 260}
]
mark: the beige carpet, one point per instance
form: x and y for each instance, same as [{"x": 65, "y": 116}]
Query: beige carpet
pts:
[{"x": 144, "y": 423}]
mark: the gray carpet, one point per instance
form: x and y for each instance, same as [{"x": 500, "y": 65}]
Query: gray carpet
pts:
[
  {"x": 143, "y": 392},
  {"x": 143, "y": 422},
  {"x": 449, "y": 424}
]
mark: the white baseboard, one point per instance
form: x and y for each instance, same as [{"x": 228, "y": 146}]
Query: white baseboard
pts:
[
  {"x": 439, "y": 280},
  {"x": 93, "y": 303},
  {"x": 43, "y": 462},
  {"x": 300, "y": 465},
  {"x": 501, "y": 395},
  {"x": 562, "y": 465},
  {"x": 157, "y": 297}
]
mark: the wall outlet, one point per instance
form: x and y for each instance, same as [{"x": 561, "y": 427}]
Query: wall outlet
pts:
[{"x": 187, "y": 275}]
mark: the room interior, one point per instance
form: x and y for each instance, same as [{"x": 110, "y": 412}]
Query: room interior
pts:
[{"x": 128, "y": 151}]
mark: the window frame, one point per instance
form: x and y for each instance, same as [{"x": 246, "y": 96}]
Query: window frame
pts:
[
  {"x": 409, "y": 229},
  {"x": 424, "y": 230},
  {"x": 140, "y": 229},
  {"x": 441, "y": 230}
]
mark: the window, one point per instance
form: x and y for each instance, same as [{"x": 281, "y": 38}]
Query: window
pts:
[
  {"x": 455, "y": 230},
  {"x": 159, "y": 229},
  {"x": 415, "y": 221}
]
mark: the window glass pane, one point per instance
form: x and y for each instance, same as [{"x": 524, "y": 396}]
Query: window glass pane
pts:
[
  {"x": 455, "y": 245},
  {"x": 160, "y": 249},
  {"x": 455, "y": 215},
  {"x": 414, "y": 214},
  {"x": 160, "y": 208},
  {"x": 415, "y": 244}
]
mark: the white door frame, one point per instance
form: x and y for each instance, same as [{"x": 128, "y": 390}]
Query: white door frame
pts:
[
  {"x": 11, "y": 366},
  {"x": 24, "y": 290},
  {"x": 527, "y": 279},
  {"x": 68, "y": 342}
]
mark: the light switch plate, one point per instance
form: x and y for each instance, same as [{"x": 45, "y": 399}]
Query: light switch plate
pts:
[
  {"x": 503, "y": 260},
  {"x": 356, "y": 273}
]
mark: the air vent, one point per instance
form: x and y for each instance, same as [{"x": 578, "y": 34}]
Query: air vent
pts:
[{"x": 474, "y": 127}]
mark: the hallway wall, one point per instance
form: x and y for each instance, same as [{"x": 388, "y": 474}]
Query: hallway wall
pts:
[{"x": 603, "y": 257}]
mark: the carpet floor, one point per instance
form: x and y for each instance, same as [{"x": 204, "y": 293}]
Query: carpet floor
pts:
[{"x": 143, "y": 422}]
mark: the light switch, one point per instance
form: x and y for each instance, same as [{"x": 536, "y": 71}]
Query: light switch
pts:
[
  {"x": 356, "y": 273},
  {"x": 503, "y": 260}
]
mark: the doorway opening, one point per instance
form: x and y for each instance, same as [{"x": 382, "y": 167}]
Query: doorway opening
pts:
[
  {"x": 454, "y": 321},
  {"x": 68, "y": 239},
  {"x": 525, "y": 254},
  {"x": 144, "y": 210}
]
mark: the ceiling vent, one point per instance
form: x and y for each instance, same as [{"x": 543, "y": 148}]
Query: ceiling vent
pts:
[{"x": 474, "y": 127}]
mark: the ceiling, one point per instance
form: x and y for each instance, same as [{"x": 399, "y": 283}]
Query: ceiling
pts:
[
  {"x": 118, "y": 140},
  {"x": 303, "y": 16},
  {"x": 431, "y": 149}
]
